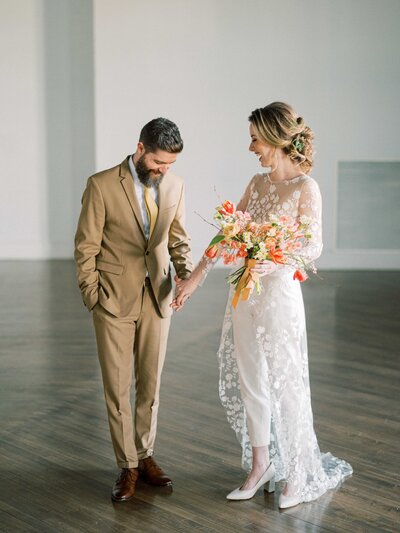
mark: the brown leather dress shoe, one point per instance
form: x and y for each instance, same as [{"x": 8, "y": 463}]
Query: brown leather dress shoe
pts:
[
  {"x": 150, "y": 472},
  {"x": 124, "y": 487}
]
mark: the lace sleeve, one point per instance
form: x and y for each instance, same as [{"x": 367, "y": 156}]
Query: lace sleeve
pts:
[
  {"x": 310, "y": 204},
  {"x": 244, "y": 201},
  {"x": 206, "y": 263},
  {"x": 203, "y": 267}
]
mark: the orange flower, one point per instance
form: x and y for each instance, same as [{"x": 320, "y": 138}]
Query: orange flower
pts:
[
  {"x": 300, "y": 275},
  {"x": 235, "y": 245},
  {"x": 277, "y": 256},
  {"x": 270, "y": 243},
  {"x": 228, "y": 259},
  {"x": 242, "y": 252},
  {"x": 265, "y": 228},
  {"x": 252, "y": 227},
  {"x": 228, "y": 208},
  {"x": 211, "y": 251}
]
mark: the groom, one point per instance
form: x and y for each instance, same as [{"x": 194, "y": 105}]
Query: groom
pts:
[{"x": 130, "y": 227}]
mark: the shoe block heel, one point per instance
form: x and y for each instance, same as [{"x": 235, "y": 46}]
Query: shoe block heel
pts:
[{"x": 270, "y": 486}]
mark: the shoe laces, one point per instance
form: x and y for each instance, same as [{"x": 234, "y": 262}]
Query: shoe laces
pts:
[
  {"x": 153, "y": 466},
  {"x": 125, "y": 474}
]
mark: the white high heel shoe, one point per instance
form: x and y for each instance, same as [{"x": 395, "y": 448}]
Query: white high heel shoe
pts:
[
  {"x": 289, "y": 501},
  {"x": 239, "y": 494}
]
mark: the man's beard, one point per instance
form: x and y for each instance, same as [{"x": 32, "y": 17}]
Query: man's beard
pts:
[{"x": 144, "y": 174}]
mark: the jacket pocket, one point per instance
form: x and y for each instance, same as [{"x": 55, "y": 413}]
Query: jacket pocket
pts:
[{"x": 112, "y": 268}]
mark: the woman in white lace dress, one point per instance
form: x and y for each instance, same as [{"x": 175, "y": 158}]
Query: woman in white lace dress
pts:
[{"x": 264, "y": 381}]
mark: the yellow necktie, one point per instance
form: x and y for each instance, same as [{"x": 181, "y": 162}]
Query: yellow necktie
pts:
[{"x": 151, "y": 208}]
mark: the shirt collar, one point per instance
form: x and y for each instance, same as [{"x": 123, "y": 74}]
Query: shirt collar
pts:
[{"x": 133, "y": 171}]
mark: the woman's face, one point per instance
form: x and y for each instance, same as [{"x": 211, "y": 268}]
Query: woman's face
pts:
[{"x": 263, "y": 151}]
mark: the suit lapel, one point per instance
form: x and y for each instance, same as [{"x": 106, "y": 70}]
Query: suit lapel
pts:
[{"x": 129, "y": 188}]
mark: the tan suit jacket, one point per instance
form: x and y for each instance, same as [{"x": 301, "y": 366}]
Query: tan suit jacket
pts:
[{"x": 111, "y": 251}]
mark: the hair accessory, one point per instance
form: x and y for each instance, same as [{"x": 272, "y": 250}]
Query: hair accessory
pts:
[{"x": 298, "y": 143}]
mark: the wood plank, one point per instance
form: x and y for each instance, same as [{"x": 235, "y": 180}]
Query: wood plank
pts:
[{"x": 57, "y": 462}]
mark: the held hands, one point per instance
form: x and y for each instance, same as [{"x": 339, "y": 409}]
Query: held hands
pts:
[
  {"x": 263, "y": 268},
  {"x": 184, "y": 289}
]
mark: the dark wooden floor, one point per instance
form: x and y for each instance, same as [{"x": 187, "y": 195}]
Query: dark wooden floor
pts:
[{"x": 57, "y": 465}]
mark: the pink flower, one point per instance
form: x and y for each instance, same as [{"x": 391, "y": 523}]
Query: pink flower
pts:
[{"x": 243, "y": 216}]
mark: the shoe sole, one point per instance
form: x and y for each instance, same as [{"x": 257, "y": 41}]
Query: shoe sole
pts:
[
  {"x": 143, "y": 478},
  {"x": 120, "y": 500},
  {"x": 157, "y": 485}
]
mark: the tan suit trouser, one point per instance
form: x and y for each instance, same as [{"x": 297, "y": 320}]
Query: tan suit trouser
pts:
[{"x": 123, "y": 344}]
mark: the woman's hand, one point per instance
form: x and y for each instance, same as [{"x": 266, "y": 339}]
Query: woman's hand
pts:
[
  {"x": 184, "y": 289},
  {"x": 263, "y": 268}
]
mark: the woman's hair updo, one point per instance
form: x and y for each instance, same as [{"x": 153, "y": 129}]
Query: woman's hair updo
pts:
[{"x": 280, "y": 126}]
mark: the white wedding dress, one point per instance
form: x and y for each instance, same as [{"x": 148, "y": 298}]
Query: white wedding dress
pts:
[{"x": 278, "y": 332}]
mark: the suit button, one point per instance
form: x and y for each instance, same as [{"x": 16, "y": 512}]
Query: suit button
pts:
[{"x": 147, "y": 252}]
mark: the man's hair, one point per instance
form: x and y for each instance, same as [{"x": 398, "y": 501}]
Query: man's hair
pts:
[{"x": 161, "y": 134}]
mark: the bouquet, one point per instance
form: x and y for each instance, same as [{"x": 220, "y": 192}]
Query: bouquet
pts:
[{"x": 279, "y": 240}]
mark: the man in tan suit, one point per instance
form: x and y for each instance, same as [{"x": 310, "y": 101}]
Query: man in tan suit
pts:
[{"x": 131, "y": 226}]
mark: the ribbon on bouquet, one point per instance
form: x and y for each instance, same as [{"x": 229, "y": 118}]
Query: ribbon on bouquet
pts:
[{"x": 246, "y": 283}]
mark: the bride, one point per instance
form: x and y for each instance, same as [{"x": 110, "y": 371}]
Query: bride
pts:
[{"x": 264, "y": 380}]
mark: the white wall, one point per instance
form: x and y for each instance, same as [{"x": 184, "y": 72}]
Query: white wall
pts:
[
  {"x": 23, "y": 199},
  {"x": 206, "y": 65},
  {"x": 47, "y": 123}
]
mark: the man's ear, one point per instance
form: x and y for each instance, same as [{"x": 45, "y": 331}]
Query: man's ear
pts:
[{"x": 140, "y": 148}]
